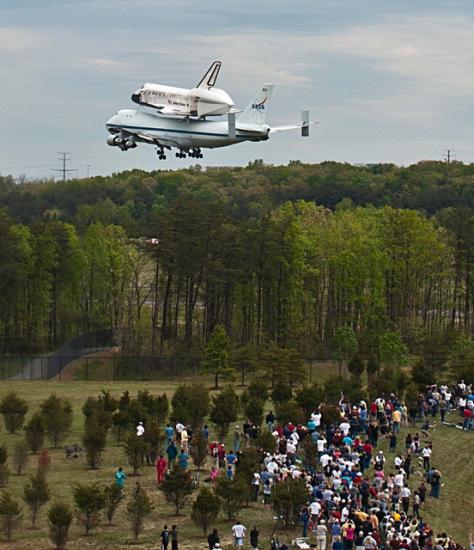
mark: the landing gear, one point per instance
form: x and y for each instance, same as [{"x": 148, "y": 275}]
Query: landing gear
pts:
[
  {"x": 181, "y": 154},
  {"x": 195, "y": 153},
  {"x": 161, "y": 153}
]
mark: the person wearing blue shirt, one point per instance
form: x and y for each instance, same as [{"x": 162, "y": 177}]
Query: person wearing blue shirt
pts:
[
  {"x": 172, "y": 453},
  {"x": 169, "y": 432},
  {"x": 183, "y": 460},
  {"x": 120, "y": 477}
]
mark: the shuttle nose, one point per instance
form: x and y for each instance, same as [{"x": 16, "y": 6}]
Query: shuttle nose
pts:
[{"x": 136, "y": 97}]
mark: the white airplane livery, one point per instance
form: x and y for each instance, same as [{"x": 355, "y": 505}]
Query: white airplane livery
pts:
[{"x": 189, "y": 134}]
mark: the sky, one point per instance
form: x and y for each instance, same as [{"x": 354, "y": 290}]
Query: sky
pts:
[{"x": 388, "y": 81}]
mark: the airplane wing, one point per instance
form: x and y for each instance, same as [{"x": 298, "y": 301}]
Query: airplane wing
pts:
[
  {"x": 275, "y": 129},
  {"x": 151, "y": 138}
]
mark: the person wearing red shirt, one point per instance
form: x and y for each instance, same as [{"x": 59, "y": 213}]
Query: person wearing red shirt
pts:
[{"x": 161, "y": 465}]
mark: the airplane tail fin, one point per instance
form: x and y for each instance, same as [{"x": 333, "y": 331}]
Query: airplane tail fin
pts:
[
  {"x": 209, "y": 79},
  {"x": 255, "y": 112}
]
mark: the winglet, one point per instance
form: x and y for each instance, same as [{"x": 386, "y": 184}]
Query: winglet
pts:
[{"x": 209, "y": 79}]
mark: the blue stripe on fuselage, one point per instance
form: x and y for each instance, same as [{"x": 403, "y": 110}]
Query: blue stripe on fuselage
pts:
[{"x": 177, "y": 131}]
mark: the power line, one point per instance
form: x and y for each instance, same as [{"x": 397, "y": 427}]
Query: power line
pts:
[{"x": 64, "y": 158}]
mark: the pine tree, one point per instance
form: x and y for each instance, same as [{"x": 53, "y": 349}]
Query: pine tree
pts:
[
  {"x": 224, "y": 411},
  {"x": 113, "y": 497},
  {"x": 176, "y": 487},
  {"x": 57, "y": 416},
  {"x": 233, "y": 494},
  {"x": 138, "y": 508},
  {"x": 35, "y": 433},
  {"x": 59, "y": 520},
  {"x": 135, "y": 450},
  {"x": 199, "y": 450},
  {"x": 217, "y": 355},
  {"x": 10, "y": 514},
  {"x": 90, "y": 501},
  {"x": 14, "y": 410},
  {"x": 36, "y": 494},
  {"x": 206, "y": 508}
]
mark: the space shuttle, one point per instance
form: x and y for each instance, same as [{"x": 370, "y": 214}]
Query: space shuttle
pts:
[{"x": 202, "y": 101}]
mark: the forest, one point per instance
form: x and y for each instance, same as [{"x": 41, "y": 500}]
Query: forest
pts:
[{"x": 290, "y": 256}]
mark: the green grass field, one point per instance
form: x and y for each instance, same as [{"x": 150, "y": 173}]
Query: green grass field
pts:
[{"x": 453, "y": 452}]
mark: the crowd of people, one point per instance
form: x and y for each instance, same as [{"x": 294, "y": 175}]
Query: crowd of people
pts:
[{"x": 358, "y": 495}]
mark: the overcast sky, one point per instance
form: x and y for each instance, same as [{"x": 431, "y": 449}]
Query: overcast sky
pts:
[{"x": 390, "y": 81}]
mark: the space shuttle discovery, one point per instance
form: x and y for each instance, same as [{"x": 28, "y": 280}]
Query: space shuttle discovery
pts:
[{"x": 201, "y": 101}]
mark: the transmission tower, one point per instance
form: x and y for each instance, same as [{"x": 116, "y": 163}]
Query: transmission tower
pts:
[{"x": 64, "y": 159}]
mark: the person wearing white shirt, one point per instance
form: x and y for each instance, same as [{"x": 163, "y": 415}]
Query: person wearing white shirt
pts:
[
  {"x": 325, "y": 459},
  {"x": 140, "y": 429},
  {"x": 426, "y": 454},
  {"x": 344, "y": 427},
  {"x": 238, "y": 530},
  {"x": 316, "y": 418},
  {"x": 399, "y": 479},
  {"x": 315, "y": 509},
  {"x": 321, "y": 443}
]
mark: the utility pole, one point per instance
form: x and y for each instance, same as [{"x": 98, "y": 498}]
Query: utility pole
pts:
[
  {"x": 64, "y": 158},
  {"x": 88, "y": 167},
  {"x": 449, "y": 155}
]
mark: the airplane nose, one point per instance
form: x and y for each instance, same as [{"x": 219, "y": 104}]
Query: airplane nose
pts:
[{"x": 136, "y": 98}]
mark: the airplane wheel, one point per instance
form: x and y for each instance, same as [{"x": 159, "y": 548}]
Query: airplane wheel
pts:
[{"x": 200, "y": 155}]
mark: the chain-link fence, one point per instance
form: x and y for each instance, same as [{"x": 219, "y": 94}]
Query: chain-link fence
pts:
[{"x": 45, "y": 367}]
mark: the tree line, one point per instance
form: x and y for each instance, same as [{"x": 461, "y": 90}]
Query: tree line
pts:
[{"x": 245, "y": 249}]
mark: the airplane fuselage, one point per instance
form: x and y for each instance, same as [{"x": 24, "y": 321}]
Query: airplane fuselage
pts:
[{"x": 184, "y": 133}]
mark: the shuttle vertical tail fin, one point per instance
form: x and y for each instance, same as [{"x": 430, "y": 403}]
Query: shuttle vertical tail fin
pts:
[
  {"x": 255, "y": 112},
  {"x": 209, "y": 79}
]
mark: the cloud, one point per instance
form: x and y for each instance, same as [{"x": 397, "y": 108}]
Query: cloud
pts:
[{"x": 15, "y": 40}]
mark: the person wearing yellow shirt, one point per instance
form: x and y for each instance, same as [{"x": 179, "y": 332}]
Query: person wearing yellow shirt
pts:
[{"x": 396, "y": 419}]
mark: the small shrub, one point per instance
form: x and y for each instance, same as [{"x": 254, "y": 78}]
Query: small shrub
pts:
[
  {"x": 94, "y": 441},
  {"x": 138, "y": 509},
  {"x": 36, "y": 494},
  {"x": 233, "y": 494},
  {"x": 59, "y": 520},
  {"x": 176, "y": 487},
  {"x": 135, "y": 449},
  {"x": 199, "y": 449},
  {"x": 113, "y": 497},
  {"x": 206, "y": 508},
  {"x": 20, "y": 456},
  {"x": 57, "y": 416},
  {"x": 90, "y": 501},
  {"x": 10, "y": 514},
  {"x": 4, "y": 471},
  {"x": 13, "y": 410},
  {"x": 35, "y": 433},
  {"x": 44, "y": 461}
]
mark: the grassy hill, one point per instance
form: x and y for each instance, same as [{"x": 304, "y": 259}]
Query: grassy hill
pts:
[{"x": 453, "y": 452}]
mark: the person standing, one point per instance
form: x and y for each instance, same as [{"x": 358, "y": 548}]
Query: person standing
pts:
[
  {"x": 185, "y": 440},
  {"x": 140, "y": 429},
  {"x": 161, "y": 466},
  {"x": 426, "y": 454},
  {"x": 174, "y": 537},
  {"x": 120, "y": 477},
  {"x": 172, "y": 453},
  {"x": 321, "y": 535},
  {"x": 165, "y": 538},
  {"x": 213, "y": 539},
  {"x": 254, "y": 538},
  {"x": 238, "y": 530}
]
